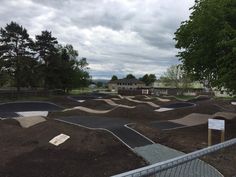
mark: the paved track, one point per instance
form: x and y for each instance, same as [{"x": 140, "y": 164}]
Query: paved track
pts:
[
  {"x": 28, "y": 106},
  {"x": 16, "y": 109},
  {"x": 8, "y": 114},
  {"x": 128, "y": 136},
  {"x": 166, "y": 125},
  {"x": 179, "y": 105}
]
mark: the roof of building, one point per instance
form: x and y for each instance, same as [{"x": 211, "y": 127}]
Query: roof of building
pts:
[{"x": 126, "y": 81}]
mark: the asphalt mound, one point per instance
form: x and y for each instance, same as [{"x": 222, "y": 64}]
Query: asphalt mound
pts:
[
  {"x": 166, "y": 125},
  {"x": 200, "y": 98},
  {"x": 28, "y": 106},
  {"x": 179, "y": 105},
  {"x": 96, "y": 104},
  {"x": 92, "y": 96},
  {"x": 140, "y": 112}
]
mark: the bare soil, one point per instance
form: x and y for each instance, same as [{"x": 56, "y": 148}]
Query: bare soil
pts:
[
  {"x": 145, "y": 113},
  {"x": 194, "y": 138},
  {"x": 26, "y": 152}
]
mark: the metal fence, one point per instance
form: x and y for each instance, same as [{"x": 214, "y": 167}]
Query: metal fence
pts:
[{"x": 182, "y": 166}]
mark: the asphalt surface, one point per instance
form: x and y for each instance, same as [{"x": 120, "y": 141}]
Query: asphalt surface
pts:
[
  {"x": 8, "y": 114},
  {"x": 116, "y": 126},
  {"x": 13, "y": 107},
  {"x": 179, "y": 105},
  {"x": 165, "y": 125},
  {"x": 91, "y": 96}
]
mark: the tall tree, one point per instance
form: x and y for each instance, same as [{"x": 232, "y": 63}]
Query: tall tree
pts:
[
  {"x": 81, "y": 75},
  {"x": 207, "y": 42},
  {"x": 68, "y": 66},
  {"x": 148, "y": 78},
  {"x": 130, "y": 76},
  {"x": 15, "y": 52},
  {"x": 114, "y": 78},
  {"x": 46, "y": 46},
  {"x": 176, "y": 77}
]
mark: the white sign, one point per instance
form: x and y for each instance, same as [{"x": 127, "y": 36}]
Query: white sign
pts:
[
  {"x": 216, "y": 124},
  {"x": 144, "y": 91},
  {"x": 57, "y": 140}
]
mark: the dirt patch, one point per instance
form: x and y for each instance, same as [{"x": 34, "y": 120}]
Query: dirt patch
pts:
[
  {"x": 96, "y": 104},
  {"x": 225, "y": 105},
  {"x": 144, "y": 113},
  {"x": 194, "y": 138},
  {"x": 125, "y": 102},
  {"x": 26, "y": 152}
]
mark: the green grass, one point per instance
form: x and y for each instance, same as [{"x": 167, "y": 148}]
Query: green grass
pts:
[
  {"x": 224, "y": 98},
  {"x": 85, "y": 90}
]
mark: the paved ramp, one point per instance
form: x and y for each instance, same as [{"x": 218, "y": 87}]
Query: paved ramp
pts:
[
  {"x": 166, "y": 125},
  {"x": 156, "y": 153},
  {"x": 125, "y": 134}
]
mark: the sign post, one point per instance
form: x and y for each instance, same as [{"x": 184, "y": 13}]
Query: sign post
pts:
[{"x": 216, "y": 124}]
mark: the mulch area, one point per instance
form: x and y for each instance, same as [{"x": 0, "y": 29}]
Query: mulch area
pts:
[{"x": 26, "y": 152}]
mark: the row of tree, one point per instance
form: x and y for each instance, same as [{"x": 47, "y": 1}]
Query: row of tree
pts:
[
  {"x": 207, "y": 43},
  {"x": 147, "y": 78},
  {"x": 42, "y": 62}
]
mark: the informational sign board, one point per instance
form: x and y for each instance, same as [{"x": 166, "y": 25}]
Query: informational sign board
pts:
[
  {"x": 216, "y": 124},
  {"x": 144, "y": 91}
]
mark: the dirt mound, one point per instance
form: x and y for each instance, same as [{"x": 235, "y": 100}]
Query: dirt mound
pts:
[
  {"x": 26, "y": 152},
  {"x": 140, "y": 112},
  {"x": 96, "y": 104},
  {"x": 125, "y": 102},
  {"x": 27, "y": 122},
  {"x": 11, "y": 122},
  {"x": 200, "y": 98}
]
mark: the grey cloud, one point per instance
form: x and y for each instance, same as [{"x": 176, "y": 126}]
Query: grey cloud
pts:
[{"x": 117, "y": 36}]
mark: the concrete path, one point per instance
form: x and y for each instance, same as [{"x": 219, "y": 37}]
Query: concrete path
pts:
[
  {"x": 126, "y": 135},
  {"x": 27, "y": 122},
  {"x": 158, "y": 153}
]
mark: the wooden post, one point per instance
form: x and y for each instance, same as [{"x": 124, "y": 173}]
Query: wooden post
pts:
[
  {"x": 222, "y": 136},
  {"x": 209, "y": 137}
]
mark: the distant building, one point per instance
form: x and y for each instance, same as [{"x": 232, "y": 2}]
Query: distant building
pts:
[
  {"x": 125, "y": 84},
  {"x": 160, "y": 88}
]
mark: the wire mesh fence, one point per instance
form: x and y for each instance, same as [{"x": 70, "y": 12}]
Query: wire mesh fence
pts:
[{"x": 188, "y": 165}]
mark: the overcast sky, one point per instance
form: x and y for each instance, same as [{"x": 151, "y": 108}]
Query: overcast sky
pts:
[{"x": 116, "y": 36}]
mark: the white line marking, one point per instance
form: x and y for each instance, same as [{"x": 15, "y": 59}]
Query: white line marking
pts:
[
  {"x": 127, "y": 126},
  {"x": 96, "y": 129}
]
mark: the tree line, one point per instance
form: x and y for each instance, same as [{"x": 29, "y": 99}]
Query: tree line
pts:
[
  {"x": 207, "y": 43},
  {"x": 42, "y": 62},
  {"x": 147, "y": 78}
]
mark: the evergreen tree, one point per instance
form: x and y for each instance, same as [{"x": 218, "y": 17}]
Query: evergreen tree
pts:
[
  {"x": 114, "y": 78},
  {"x": 15, "y": 52},
  {"x": 46, "y": 46}
]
